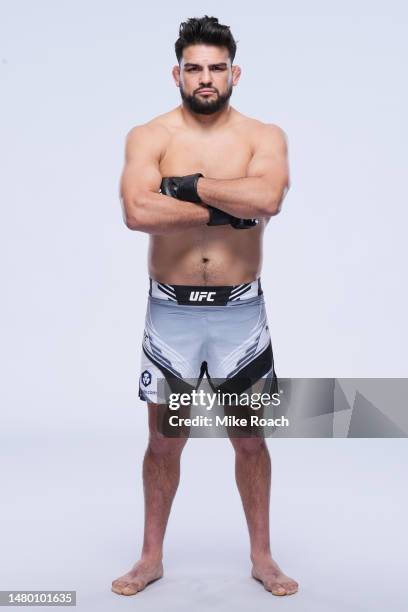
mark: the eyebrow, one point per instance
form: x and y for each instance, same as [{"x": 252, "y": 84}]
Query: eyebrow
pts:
[{"x": 219, "y": 65}]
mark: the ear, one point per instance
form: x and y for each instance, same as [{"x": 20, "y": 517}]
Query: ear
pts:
[
  {"x": 176, "y": 74},
  {"x": 236, "y": 73}
]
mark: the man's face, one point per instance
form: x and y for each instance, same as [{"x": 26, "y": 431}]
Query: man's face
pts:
[{"x": 206, "y": 78}]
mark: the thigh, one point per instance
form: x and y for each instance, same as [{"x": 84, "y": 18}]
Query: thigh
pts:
[
  {"x": 172, "y": 350},
  {"x": 240, "y": 348}
]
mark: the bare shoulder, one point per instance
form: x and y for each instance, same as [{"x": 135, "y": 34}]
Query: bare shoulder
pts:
[
  {"x": 269, "y": 133},
  {"x": 151, "y": 136},
  {"x": 146, "y": 134},
  {"x": 262, "y": 133}
]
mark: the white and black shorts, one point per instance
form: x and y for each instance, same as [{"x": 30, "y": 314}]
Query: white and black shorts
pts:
[{"x": 220, "y": 331}]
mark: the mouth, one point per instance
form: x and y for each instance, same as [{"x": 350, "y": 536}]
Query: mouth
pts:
[{"x": 205, "y": 91}]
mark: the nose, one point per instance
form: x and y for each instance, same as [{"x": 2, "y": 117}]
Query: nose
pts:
[{"x": 205, "y": 78}]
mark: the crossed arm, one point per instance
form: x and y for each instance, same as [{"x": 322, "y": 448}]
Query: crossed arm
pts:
[{"x": 259, "y": 194}]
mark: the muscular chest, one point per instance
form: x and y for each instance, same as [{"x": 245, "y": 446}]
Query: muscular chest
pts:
[{"x": 221, "y": 156}]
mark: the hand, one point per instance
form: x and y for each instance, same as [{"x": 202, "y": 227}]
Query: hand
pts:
[
  {"x": 219, "y": 217},
  {"x": 185, "y": 188},
  {"x": 243, "y": 223},
  {"x": 181, "y": 187}
]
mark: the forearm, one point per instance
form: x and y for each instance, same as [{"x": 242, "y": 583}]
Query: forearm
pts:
[
  {"x": 154, "y": 213},
  {"x": 247, "y": 198}
]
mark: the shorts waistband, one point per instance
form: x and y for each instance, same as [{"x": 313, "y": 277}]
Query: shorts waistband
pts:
[{"x": 205, "y": 295}]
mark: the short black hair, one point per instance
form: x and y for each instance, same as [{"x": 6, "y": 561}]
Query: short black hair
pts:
[{"x": 205, "y": 30}]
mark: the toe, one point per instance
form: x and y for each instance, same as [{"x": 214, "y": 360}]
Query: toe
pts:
[
  {"x": 277, "y": 589},
  {"x": 290, "y": 587},
  {"x": 132, "y": 588},
  {"x": 118, "y": 586}
]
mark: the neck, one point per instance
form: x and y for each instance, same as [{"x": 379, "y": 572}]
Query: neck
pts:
[{"x": 206, "y": 121}]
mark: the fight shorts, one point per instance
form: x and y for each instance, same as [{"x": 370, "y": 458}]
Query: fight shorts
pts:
[{"x": 221, "y": 331}]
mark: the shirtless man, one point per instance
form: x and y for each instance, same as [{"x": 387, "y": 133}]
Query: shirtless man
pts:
[{"x": 205, "y": 234}]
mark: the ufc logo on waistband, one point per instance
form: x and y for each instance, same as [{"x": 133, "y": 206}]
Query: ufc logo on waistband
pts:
[{"x": 199, "y": 296}]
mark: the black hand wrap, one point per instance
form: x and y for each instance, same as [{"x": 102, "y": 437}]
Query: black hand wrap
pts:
[
  {"x": 182, "y": 187},
  {"x": 185, "y": 188},
  {"x": 243, "y": 223},
  {"x": 219, "y": 217}
]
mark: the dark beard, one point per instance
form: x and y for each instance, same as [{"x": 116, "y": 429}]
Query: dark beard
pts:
[{"x": 205, "y": 107}]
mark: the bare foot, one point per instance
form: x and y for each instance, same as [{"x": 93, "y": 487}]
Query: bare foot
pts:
[
  {"x": 141, "y": 574},
  {"x": 274, "y": 580}
]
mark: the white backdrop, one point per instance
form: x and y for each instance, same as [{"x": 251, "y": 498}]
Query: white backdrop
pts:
[{"x": 75, "y": 77}]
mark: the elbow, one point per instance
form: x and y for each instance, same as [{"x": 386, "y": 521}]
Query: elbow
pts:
[
  {"x": 273, "y": 205},
  {"x": 133, "y": 221},
  {"x": 133, "y": 215},
  {"x": 274, "y": 208}
]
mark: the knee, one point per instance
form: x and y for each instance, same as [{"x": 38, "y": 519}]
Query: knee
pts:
[
  {"x": 248, "y": 446},
  {"x": 161, "y": 446}
]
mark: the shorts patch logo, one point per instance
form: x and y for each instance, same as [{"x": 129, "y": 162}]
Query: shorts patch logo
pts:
[
  {"x": 199, "y": 296},
  {"x": 146, "y": 378}
]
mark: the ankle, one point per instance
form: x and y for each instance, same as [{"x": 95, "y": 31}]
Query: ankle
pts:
[
  {"x": 261, "y": 556},
  {"x": 151, "y": 557}
]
